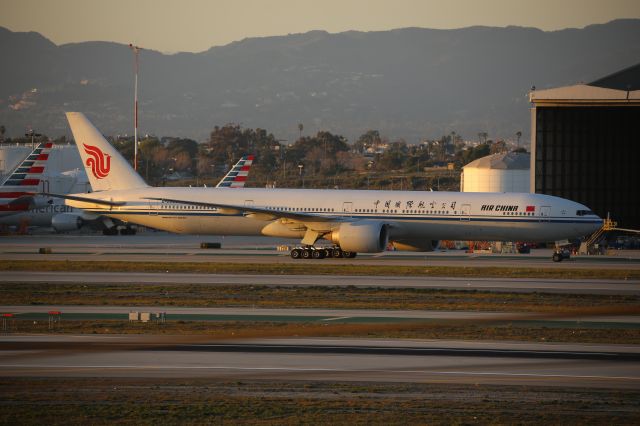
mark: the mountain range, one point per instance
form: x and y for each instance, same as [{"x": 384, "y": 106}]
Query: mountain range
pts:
[{"x": 410, "y": 83}]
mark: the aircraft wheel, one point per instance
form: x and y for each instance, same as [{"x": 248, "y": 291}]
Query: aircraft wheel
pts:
[
  {"x": 337, "y": 253},
  {"x": 110, "y": 231},
  {"x": 557, "y": 257},
  {"x": 296, "y": 253},
  {"x": 327, "y": 253},
  {"x": 306, "y": 254},
  {"x": 317, "y": 254},
  {"x": 350, "y": 254}
]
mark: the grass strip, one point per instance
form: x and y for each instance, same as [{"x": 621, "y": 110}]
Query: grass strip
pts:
[
  {"x": 317, "y": 269},
  {"x": 57, "y": 401},
  {"x": 453, "y": 329},
  {"x": 325, "y": 297}
]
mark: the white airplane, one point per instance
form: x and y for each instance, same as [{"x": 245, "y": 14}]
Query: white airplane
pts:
[
  {"x": 354, "y": 220},
  {"x": 21, "y": 209}
]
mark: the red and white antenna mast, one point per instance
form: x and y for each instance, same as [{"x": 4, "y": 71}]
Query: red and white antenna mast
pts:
[{"x": 136, "y": 51}]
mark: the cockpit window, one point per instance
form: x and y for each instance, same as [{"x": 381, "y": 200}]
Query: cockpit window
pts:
[{"x": 585, "y": 213}]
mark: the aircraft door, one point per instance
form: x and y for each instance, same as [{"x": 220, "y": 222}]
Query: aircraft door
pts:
[
  {"x": 545, "y": 213},
  {"x": 347, "y": 207},
  {"x": 153, "y": 207},
  {"x": 465, "y": 212}
]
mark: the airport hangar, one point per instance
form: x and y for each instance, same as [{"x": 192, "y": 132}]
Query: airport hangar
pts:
[{"x": 585, "y": 144}]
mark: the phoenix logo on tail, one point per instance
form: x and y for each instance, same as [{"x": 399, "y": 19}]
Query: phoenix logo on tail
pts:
[{"x": 99, "y": 162}]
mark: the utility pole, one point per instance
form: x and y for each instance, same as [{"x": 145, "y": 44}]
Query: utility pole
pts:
[
  {"x": 32, "y": 135},
  {"x": 136, "y": 51}
]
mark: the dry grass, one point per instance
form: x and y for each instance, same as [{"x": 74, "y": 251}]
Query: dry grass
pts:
[
  {"x": 318, "y": 269},
  {"x": 260, "y": 296},
  {"x": 460, "y": 329},
  {"x": 58, "y": 401}
]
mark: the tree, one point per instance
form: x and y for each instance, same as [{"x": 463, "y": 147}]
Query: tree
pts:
[
  {"x": 468, "y": 155},
  {"x": 518, "y": 136},
  {"x": 190, "y": 146},
  {"x": 370, "y": 139},
  {"x": 482, "y": 137},
  {"x": 393, "y": 157},
  {"x": 499, "y": 146},
  {"x": 318, "y": 153},
  {"x": 2, "y": 132}
]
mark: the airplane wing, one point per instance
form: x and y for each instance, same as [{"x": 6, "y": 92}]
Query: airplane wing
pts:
[
  {"x": 261, "y": 212},
  {"x": 84, "y": 199}
]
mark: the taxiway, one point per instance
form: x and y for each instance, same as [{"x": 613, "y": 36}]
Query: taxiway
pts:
[{"x": 610, "y": 366}]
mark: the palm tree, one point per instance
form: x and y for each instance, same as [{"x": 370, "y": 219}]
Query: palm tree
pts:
[
  {"x": 300, "y": 128},
  {"x": 482, "y": 137},
  {"x": 518, "y": 135},
  {"x": 2, "y": 132}
]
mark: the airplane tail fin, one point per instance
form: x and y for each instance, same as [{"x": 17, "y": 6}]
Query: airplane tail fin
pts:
[
  {"x": 106, "y": 168},
  {"x": 29, "y": 172},
  {"x": 16, "y": 192},
  {"x": 237, "y": 176}
]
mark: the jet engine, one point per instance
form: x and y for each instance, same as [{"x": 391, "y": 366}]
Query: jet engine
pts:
[
  {"x": 361, "y": 237},
  {"x": 66, "y": 222},
  {"x": 416, "y": 245}
]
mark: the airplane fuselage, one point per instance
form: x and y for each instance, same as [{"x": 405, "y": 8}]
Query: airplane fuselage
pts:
[{"x": 410, "y": 215}]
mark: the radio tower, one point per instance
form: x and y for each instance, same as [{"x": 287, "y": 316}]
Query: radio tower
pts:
[{"x": 136, "y": 51}]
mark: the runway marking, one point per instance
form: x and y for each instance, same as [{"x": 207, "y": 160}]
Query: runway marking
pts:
[
  {"x": 312, "y": 369},
  {"x": 334, "y": 318}
]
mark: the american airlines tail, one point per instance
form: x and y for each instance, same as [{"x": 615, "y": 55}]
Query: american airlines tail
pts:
[
  {"x": 106, "y": 168},
  {"x": 237, "y": 176},
  {"x": 16, "y": 192}
]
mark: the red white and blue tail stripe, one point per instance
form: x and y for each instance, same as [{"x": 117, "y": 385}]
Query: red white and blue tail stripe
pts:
[
  {"x": 25, "y": 180},
  {"x": 237, "y": 176}
]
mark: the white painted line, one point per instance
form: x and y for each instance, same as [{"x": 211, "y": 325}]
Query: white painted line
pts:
[
  {"x": 335, "y": 319},
  {"x": 311, "y": 369}
]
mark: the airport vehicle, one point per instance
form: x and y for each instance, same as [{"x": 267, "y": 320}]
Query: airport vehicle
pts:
[{"x": 354, "y": 220}]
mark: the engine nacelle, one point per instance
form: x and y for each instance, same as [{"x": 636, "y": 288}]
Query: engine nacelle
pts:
[
  {"x": 66, "y": 222},
  {"x": 361, "y": 237},
  {"x": 416, "y": 245}
]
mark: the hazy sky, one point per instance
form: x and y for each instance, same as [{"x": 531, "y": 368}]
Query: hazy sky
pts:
[{"x": 196, "y": 25}]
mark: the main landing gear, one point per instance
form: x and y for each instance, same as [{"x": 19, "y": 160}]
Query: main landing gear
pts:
[
  {"x": 311, "y": 252},
  {"x": 561, "y": 254}
]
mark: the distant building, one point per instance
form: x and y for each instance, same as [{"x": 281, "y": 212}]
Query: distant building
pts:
[
  {"x": 503, "y": 172},
  {"x": 585, "y": 144}
]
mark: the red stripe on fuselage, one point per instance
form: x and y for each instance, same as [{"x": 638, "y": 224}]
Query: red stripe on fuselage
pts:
[
  {"x": 13, "y": 207},
  {"x": 36, "y": 169},
  {"x": 13, "y": 194},
  {"x": 30, "y": 182},
  {"x": 42, "y": 157}
]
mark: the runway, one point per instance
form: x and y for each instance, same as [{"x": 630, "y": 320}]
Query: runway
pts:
[
  {"x": 323, "y": 359},
  {"x": 609, "y": 366},
  {"x": 163, "y": 247},
  {"x": 520, "y": 285}
]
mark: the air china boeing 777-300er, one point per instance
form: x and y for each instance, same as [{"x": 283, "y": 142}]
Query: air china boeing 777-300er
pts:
[{"x": 355, "y": 221}]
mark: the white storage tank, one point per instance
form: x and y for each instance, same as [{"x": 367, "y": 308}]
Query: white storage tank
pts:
[{"x": 503, "y": 172}]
